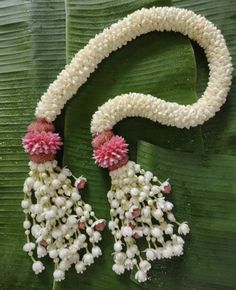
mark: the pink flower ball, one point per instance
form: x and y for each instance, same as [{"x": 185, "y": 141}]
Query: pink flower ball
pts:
[
  {"x": 36, "y": 143},
  {"x": 111, "y": 152},
  {"x": 41, "y": 125},
  {"x": 121, "y": 163},
  {"x": 101, "y": 138}
]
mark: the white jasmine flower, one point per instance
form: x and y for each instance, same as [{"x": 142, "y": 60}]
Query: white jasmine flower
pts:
[
  {"x": 159, "y": 253},
  {"x": 146, "y": 211},
  {"x": 171, "y": 217},
  {"x": 177, "y": 249},
  {"x": 38, "y": 267},
  {"x": 63, "y": 253},
  {"x": 169, "y": 205},
  {"x": 89, "y": 231},
  {"x": 129, "y": 264},
  {"x": 75, "y": 196},
  {"x": 64, "y": 264},
  {"x": 56, "y": 233},
  {"x": 29, "y": 182},
  {"x": 28, "y": 247},
  {"x": 118, "y": 269},
  {"x": 156, "y": 189},
  {"x": 25, "y": 203},
  {"x": 144, "y": 266},
  {"x": 72, "y": 219},
  {"x": 127, "y": 231},
  {"x": 26, "y": 224},
  {"x": 134, "y": 191},
  {"x": 183, "y": 229},
  {"x": 150, "y": 254},
  {"x": 169, "y": 229},
  {"x": 167, "y": 251},
  {"x": 36, "y": 231},
  {"x": 179, "y": 240},
  {"x": 53, "y": 253},
  {"x": 56, "y": 183},
  {"x": 68, "y": 204},
  {"x": 130, "y": 254},
  {"x": 157, "y": 214},
  {"x": 118, "y": 246},
  {"x": 82, "y": 238},
  {"x": 148, "y": 175},
  {"x": 141, "y": 276},
  {"x": 49, "y": 214},
  {"x": 80, "y": 267},
  {"x": 146, "y": 231},
  {"x": 79, "y": 211},
  {"x": 156, "y": 232},
  {"x": 96, "y": 236},
  {"x": 96, "y": 251},
  {"x": 58, "y": 275},
  {"x": 88, "y": 259},
  {"x": 120, "y": 258},
  {"x": 41, "y": 251}
]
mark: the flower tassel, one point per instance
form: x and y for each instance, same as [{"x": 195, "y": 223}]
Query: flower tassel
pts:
[
  {"x": 57, "y": 221},
  {"x": 139, "y": 210}
]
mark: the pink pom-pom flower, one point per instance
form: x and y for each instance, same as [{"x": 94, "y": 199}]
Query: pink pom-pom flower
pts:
[
  {"x": 111, "y": 152},
  {"x": 36, "y": 143}
]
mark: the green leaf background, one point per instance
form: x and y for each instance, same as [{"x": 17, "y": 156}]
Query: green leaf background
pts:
[{"x": 37, "y": 38}]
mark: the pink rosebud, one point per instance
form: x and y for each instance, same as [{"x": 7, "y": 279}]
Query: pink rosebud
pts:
[
  {"x": 136, "y": 236},
  {"x": 81, "y": 225},
  {"x": 80, "y": 182},
  {"x": 136, "y": 212},
  {"x": 99, "y": 225},
  {"x": 131, "y": 225},
  {"x": 166, "y": 187},
  {"x": 43, "y": 243}
]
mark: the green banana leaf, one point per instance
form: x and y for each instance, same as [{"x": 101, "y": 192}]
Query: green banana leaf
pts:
[
  {"x": 38, "y": 37},
  {"x": 204, "y": 195},
  {"x": 32, "y": 52}
]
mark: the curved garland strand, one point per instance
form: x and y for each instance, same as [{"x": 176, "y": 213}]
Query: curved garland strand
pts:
[{"x": 140, "y": 22}]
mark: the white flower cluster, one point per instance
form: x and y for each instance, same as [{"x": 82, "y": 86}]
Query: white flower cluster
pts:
[
  {"x": 62, "y": 225},
  {"x": 139, "y": 211},
  {"x": 118, "y": 34}
]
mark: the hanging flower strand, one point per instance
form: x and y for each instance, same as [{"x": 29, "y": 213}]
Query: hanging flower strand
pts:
[
  {"x": 139, "y": 209},
  {"x": 57, "y": 221}
]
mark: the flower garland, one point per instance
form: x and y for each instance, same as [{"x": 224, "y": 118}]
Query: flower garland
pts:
[
  {"x": 57, "y": 221},
  {"x": 140, "y": 22}
]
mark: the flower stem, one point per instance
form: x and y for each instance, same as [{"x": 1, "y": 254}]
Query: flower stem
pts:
[
  {"x": 54, "y": 282},
  {"x": 54, "y": 285}
]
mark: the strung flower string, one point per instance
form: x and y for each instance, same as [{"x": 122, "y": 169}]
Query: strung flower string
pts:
[
  {"x": 142, "y": 21},
  {"x": 139, "y": 209},
  {"x": 57, "y": 221}
]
